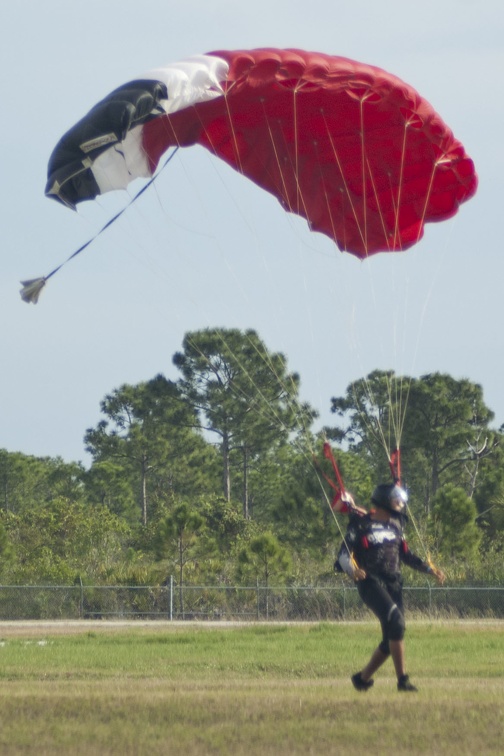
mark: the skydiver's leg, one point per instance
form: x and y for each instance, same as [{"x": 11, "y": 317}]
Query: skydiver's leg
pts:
[
  {"x": 378, "y": 600},
  {"x": 378, "y": 658},
  {"x": 387, "y": 604},
  {"x": 397, "y": 653},
  {"x": 396, "y": 640}
]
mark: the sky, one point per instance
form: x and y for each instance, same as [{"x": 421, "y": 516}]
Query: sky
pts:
[{"x": 206, "y": 248}]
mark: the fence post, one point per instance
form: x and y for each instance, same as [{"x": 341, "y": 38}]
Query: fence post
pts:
[
  {"x": 257, "y": 595},
  {"x": 171, "y": 597},
  {"x": 81, "y": 602}
]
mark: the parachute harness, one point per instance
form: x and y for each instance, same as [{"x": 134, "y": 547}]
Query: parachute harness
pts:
[{"x": 338, "y": 487}]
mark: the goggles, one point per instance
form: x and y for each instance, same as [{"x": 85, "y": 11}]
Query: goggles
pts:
[{"x": 398, "y": 499}]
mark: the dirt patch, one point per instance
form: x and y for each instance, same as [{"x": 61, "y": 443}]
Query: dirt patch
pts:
[{"x": 45, "y": 628}]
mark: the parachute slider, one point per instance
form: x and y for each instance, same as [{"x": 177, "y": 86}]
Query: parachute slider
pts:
[{"x": 31, "y": 289}]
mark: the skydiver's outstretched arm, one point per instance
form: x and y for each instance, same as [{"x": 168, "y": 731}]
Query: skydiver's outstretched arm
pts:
[{"x": 345, "y": 504}]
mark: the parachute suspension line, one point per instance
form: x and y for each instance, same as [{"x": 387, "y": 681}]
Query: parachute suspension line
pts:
[
  {"x": 404, "y": 399},
  {"x": 296, "y": 149},
  {"x": 393, "y": 456},
  {"x": 375, "y": 428},
  {"x": 397, "y": 201},
  {"x": 233, "y": 132},
  {"x": 398, "y": 395},
  {"x": 324, "y": 183},
  {"x": 32, "y": 288},
  {"x": 424, "y": 547},
  {"x": 395, "y": 469},
  {"x": 266, "y": 409},
  {"x": 400, "y": 186},
  {"x": 428, "y": 196},
  {"x": 342, "y": 173},
  {"x": 375, "y": 425},
  {"x": 300, "y": 203},
  {"x": 326, "y": 195},
  {"x": 382, "y": 218},
  {"x": 364, "y": 161},
  {"x": 294, "y": 167},
  {"x": 338, "y": 487},
  {"x": 277, "y": 158},
  {"x": 401, "y": 401},
  {"x": 331, "y": 509},
  {"x": 267, "y": 405},
  {"x": 398, "y": 401},
  {"x": 213, "y": 151},
  {"x": 284, "y": 388},
  {"x": 394, "y": 460},
  {"x": 170, "y": 130}
]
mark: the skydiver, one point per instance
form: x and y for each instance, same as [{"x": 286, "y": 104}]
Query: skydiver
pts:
[{"x": 371, "y": 555}]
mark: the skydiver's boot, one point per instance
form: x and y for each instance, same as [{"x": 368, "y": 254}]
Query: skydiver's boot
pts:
[
  {"x": 404, "y": 685},
  {"x": 359, "y": 683}
]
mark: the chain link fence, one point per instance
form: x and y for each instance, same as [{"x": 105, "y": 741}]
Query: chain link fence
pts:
[{"x": 188, "y": 602}]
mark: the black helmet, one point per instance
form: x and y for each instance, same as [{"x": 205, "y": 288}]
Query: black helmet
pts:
[{"x": 391, "y": 497}]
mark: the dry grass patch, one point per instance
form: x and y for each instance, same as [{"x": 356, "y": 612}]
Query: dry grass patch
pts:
[{"x": 254, "y": 690}]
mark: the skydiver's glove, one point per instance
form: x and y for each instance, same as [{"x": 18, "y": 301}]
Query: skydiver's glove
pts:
[
  {"x": 343, "y": 503},
  {"x": 347, "y": 564},
  {"x": 438, "y": 574}
]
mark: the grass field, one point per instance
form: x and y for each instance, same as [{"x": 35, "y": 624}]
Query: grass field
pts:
[{"x": 168, "y": 688}]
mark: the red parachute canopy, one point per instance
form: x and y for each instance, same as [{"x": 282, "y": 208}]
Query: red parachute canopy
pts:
[{"x": 349, "y": 147}]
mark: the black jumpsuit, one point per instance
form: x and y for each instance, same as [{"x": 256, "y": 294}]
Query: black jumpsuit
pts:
[{"x": 379, "y": 548}]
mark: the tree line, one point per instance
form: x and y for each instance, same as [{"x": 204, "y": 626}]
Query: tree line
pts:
[{"x": 218, "y": 477}]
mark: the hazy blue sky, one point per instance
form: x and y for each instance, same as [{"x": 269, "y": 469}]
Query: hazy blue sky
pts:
[{"x": 204, "y": 247}]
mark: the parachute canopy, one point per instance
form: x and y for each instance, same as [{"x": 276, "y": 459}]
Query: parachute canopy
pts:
[{"x": 351, "y": 148}]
